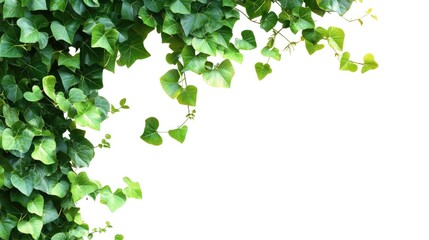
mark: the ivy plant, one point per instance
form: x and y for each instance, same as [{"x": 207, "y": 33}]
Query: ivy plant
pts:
[{"x": 52, "y": 57}]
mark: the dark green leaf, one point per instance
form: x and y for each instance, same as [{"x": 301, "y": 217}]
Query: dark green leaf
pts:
[
  {"x": 269, "y": 21},
  {"x": 248, "y": 42},
  {"x": 256, "y": 8},
  {"x": 58, "y": 5},
  {"x": 13, "y": 9},
  {"x": 6, "y": 226},
  {"x": 13, "y": 92},
  {"x": 303, "y": 19},
  {"x": 64, "y": 32},
  {"x": 10, "y": 47},
  {"x": 339, "y": 6},
  {"x": 290, "y": 4},
  {"x": 181, "y": 6},
  {"x": 81, "y": 151},
  {"x": 154, "y": 5},
  {"x": 133, "y": 49},
  {"x": 192, "y": 62}
]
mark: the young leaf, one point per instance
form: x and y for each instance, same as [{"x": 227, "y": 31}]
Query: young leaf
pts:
[
  {"x": 346, "y": 64},
  {"x": 262, "y": 70},
  {"x": 33, "y": 227},
  {"x": 179, "y": 134},
  {"x": 271, "y": 53},
  {"x": 336, "y": 38},
  {"x": 150, "y": 134},
  {"x": 369, "y": 63},
  {"x": 112, "y": 200},
  {"x": 35, "y": 95},
  {"x": 88, "y": 115},
  {"x": 49, "y": 83},
  {"x": 133, "y": 189}
]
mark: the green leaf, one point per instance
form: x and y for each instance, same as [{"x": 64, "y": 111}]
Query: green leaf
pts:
[
  {"x": 269, "y": 21},
  {"x": 13, "y": 92},
  {"x": 133, "y": 189},
  {"x": 271, "y": 53},
  {"x": 50, "y": 213},
  {"x": 13, "y": 9},
  {"x": 193, "y": 22},
  {"x": 81, "y": 185},
  {"x": 92, "y": 3},
  {"x": 232, "y": 53},
  {"x": 58, "y": 5},
  {"x": 76, "y": 95},
  {"x": 103, "y": 38},
  {"x": 23, "y": 184},
  {"x": 220, "y": 76},
  {"x": 188, "y": 96},
  {"x": 1, "y": 181},
  {"x": 45, "y": 150},
  {"x": 312, "y": 48},
  {"x": 133, "y": 49},
  {"x": 33, "y": 227},
  {"x": 179, "y": 134},
  {"x": 49, "y": 83},
  {"x": 119, "y": 237},
  {"x": 150, "y": 134},
  {"x": 36, "y": 205},
  {"x": 81, "y": 151},
  {"x": 35, "y": 5},
  {"x": 339, "y": 6},
  {"x": 303, "y": 19},
  {"x": 262, "y": 70},
  {"x": 256, "y": 8},
  {"x": 229, "y": 3},
  {"x": 248, "y": 42},
  {"x": 6, "y": 226},
  {"x": 60, "y": 236},
  {"x": 181, "y": 6},
  {"x": 170, "y": 25},
  {"x": 64, "y": 32},
  {"x": 30, "y": 30},
  {"x": 112, "y": 200},
  {"x": 35, "y": 95},
  {"x": 88, "y": 115},
  {"x": 369, "y": 63},
  {"x": 20, "y": 138},
  {"x": 170, "y": 83},
  {"x": 130, "y": 8},
  {"x": 11, "y": 115},
  {"x": 336, "y": 38},
  {"x": 71, "y": 62},
  {"x": 154, "y": 5},
  {"x": 312, "y": 35},
  {"x": 10, "y": 47},
  {"x": 147, "y": 17},
  {"x": 346, "y": 64},
  {"x": 204, "y": 46},
  {"x": 291, "y": 4},
  {"x": 60, "y": 189}
]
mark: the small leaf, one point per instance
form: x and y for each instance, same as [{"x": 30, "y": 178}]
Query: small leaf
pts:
[
  {"x": 119, "y": 237},
  {"x": 346, "y": 64},
  {"x": 32, "y": 227},
  {"x": 312, "y": 48},
  {"x": 112, "y": 200},
  {"x": 36, "y": 205},
  {"x": 35, "y": 95},
  {"x": 271, "y": 53},
  {"x": 369, "y": 63},
  {"x": 133, "y": 189},
  {"x": 262, "y": 70},
  {"x": 179, "y": 134},
  {"x": 45, "y": 150},
  {"x": 49, "y": 83},
  {"x": 188, "y": 96},
  {"x": 248, "y": 42},
  {"x": 170, "y": 83},
  {"x": 150, "y": 134}
]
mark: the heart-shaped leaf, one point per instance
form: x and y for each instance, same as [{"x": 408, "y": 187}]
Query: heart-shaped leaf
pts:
[
  {"x": 32, "y": 227},
  {"x": 369, "y": 63},
  {"x": 23, "y": 184},
  {"x": 133, "y": 189},
  {"x": 150, "y": 134},
  {"x": 45, "y": 150},
  {"x": 170, "y": 83},
  {"x": 179, "y": 134},
  {"x": 35, "y": 95},
  {"x": 346, "y": 64},
  {"x": 262, "y": 70},
  {"x": 248, "y": 42},
  {"x": 112, "y": 200},
  {"x": 49, "y": 83},
  {"x": 220, "y": 76},
  {"x": 188, "y": 96},
  {"x": 81, "y": 185},
  {"x": 36, "y": 205},
  {"x": 336, "y": 38}
]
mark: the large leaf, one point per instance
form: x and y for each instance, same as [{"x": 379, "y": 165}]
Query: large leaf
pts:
[
  {"x": 113, "y": 200},
  {"x": 13, "y": 9},
  {"x": 24, "y": 184},
  {"x": 36, "y": 205},
  {"x": 10, "y": 47},
  {"x": 49, "y": 83},
  {"x": 170, "y": 83},
  {"x": 81, "y": 185},
  {"x": 220, "y": 76},
  {"x": 248, "y": 42},
  {"x": 336, "y": 38},
  {"x": 133, "y": 49},
  {"x": 13, "y": 92},
  {"x": 188, "y": 96},
  {"x": 33, "y": 227},
  {"x": 192, "y": 62},
  {"x": 339, "y": 6},
  {"x": 181, "y": 6},
  {"x": 154, "y": 5},
  {"x": 30, "y": 30},
  {"x": 45, "y": 150},
  {"x": 256, "y": 8},
  {"x": 64, "y": 32},
  {"x": 179, "y": 134},
  {"x": 50, "y": 213},
  {"x": 193, "y": 22},
  {"x": 6, "y": 226},
  {"x": 133, "y": 189},
  {"x": 18, "y": 138},
  {"x": 35, "y": 5},
  {"x": 150, "y": 134},
  {"x": 103, "y": 38}
]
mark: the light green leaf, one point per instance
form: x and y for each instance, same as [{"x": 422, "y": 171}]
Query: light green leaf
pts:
[
  {"x": 19, "y": 138},
  {"x": 147, "y": 17},
  {"x": 49, "y": 83},
  {"x": 23, "y": 184},
  {"x": 33, "y": 227},
  {"x": 188, "y": 96},
  {"x": 133, "y": 189},
  {"x": 81, "y": 185},
  {"x": 119, "y": 237},
  {"x": 63, "y": 103},
  {"x": 204, "y": 46},
  {"x": 220, "y": 76},
  {"x": 339, "y": 6},
  {"x": 262, "y": 70},
  {"x": 60, "y": 236},
  {"x": 269, "y": 21},
  {"x": 72, "y": 62},
  {"x": 232, "y": 53},
  {"x": 248, "y": 42},
  {"x": 192, "y": 62},
  {"x": 88, "y": 115},
  {"x": 13, "y": 9},
  {"x": 229, "y": 3},
  {"x": 35, "y": 95},
  {"x": 179, "y": 134},
  {"x": 103, "y": 38},
  {"x": 45, "y": 150},
  {"x": 369, "y": 63},
  {"x": 256, "y": 8},
  {"x": 303, "y": 19},
  {"x": 13, "y": 92},
  {"x": 271, "y": 53},
  {"x": 346, "y": 64},
  {"x": 60, "y": 189},
  {"x": 170, "y": 83},
  {"x": 30, "y": 30},
  {"x": 170, "y": 25},
  {"x": 112, "y": 200},
  {"x": 36, "y": 205},
  {"x": 181, "y": 6},
  {"x": 76, "y": 95},
  {"x": 81, "y": 151},
  {"x": 154, "y": 5},
  {"x": 58, "y": 5},
  {"x": 50, "y": 213},
  {"x": 6, "y": 226},
  {"x": 312, "y": 48},
  {"x": 336, "y": 38},
  {"x": 150, "y": 134},
  {"x": 11, "y": 115}
]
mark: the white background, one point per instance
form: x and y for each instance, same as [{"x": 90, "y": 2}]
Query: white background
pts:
[{"x": 308, "y": 153}]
